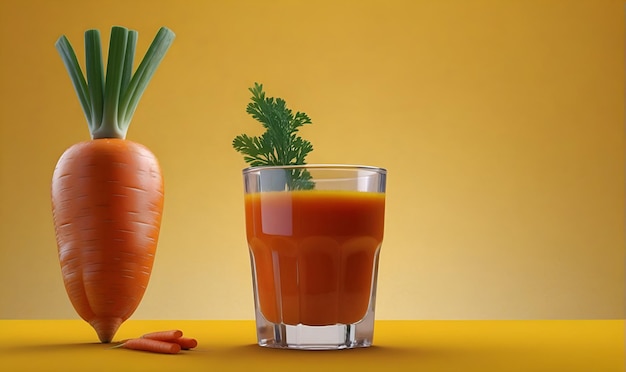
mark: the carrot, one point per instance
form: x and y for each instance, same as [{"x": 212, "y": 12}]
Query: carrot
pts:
[
  {"x": 164, "y": 335},
  {"x": 186, "y": 343},
  {"x": 107, "y": 203},
  {"x": 154, "y": 346},
  {"x": 107, "y": 193},
  {"x": 175, "y": 336}
]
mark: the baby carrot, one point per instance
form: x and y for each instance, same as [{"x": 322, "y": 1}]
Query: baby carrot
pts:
[
  {"x": 186, "y": 343},
  {"x": 164, "y": 335},
  {"x": 154, "y": 346}
]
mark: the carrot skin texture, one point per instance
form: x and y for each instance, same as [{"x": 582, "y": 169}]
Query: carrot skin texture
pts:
[
  {"x": 164, "y": 335},
  {"x": 107, "y": 203},
  {"x": 155, "y": 346}
]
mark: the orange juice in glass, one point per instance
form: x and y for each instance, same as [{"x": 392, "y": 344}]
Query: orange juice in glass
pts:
[{"x": 314, "y": 233}]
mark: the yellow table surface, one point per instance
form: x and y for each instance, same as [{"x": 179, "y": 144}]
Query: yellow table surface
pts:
[{"x": 432, "y": 346}]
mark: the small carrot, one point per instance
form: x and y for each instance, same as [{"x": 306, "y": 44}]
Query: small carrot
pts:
[
  {"x": 154, "y": 346},
  {"x": 164, "y": 335},
  {"x": 186, "y": 343}
]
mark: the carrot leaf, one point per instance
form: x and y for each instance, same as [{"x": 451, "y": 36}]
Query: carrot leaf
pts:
[
  {"x": 70, "y": 61},
  {"x": 109, "y": 101},
  {"x": 129, "y": 59},
  {"x": 280, "y": 144},
  {"x": 95, "y": 76},
  {"x": 144, "y": 73},
  {"x": 113, "y": 84}
]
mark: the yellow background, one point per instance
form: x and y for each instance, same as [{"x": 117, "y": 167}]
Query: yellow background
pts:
[{"x": 501, "y": 124}]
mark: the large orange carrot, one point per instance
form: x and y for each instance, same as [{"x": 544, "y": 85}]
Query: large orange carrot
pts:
[
  {"x": 107, "y": 193},
  {"x": 107, "y": 203}
]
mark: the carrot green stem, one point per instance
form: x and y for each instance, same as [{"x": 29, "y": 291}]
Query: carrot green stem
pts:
[
  {"x": 73, "y": 68},
  {"x": 110, "y": 127},
  {"x": 130, "y": 59},
  {"x": 145, "y": 71},
  {"x": 95, "y": 76},
  {"x": 110, "y": 101}
]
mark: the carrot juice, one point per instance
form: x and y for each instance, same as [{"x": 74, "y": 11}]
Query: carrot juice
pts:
[{"x": 314, "y": 253}]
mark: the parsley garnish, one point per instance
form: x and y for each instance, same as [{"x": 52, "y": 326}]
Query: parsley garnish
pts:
[{"x": 280, "y": 144}]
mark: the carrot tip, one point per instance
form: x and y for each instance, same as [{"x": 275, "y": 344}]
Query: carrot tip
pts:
[{"x": 106, "y": 328}]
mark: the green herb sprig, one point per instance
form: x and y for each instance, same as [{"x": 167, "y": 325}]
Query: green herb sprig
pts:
[{"x": 280, "y": 144}]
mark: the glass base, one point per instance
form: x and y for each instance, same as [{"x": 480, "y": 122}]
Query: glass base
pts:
[{"x": 303, "y": 337}]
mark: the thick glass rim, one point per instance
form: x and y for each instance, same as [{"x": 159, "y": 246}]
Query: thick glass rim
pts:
[{"x": 318, "y": 166}]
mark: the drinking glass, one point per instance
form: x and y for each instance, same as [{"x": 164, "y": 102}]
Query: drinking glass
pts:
[{"x": 314, "y": 234}]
